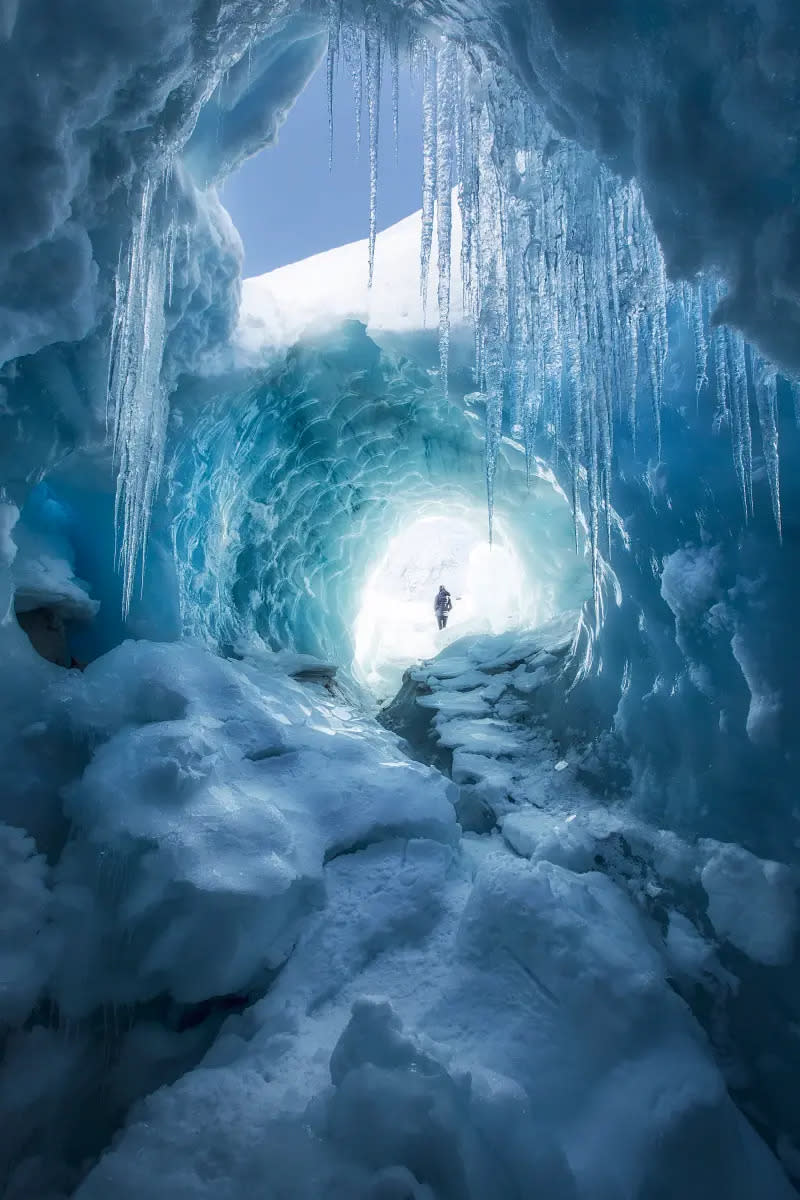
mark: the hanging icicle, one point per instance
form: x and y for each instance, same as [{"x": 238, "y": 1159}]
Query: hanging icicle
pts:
[
  {"x": 372, "y": 38},
  {"x": 334, "y": 34},
  {"x": 394, "y": 59},
  {"x": 445, "y": 136},
  {"x": 429, "y": 119},
  {"x": 493, "y": 392},
  {"x": 351, "y": 40},
  {"x": 765, "y": 384},
  {"x": 137, "y": 396}
]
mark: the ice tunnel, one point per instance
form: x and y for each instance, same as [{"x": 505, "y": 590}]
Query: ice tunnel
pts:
[{"x": 304, "y": 897}]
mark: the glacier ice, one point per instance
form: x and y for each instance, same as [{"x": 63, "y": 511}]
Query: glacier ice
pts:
[{"x": 252, "y": 942}]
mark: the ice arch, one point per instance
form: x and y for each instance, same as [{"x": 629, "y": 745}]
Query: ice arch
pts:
[{"x": 297, "y": 479}]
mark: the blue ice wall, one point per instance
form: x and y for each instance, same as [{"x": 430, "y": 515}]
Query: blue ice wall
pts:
[
  {"x": 299, "y": 473},
  {"x": 693, "y": 664}
]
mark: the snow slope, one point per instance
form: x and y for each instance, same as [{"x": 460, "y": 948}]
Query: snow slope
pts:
[{"x": 318, "y": 293}]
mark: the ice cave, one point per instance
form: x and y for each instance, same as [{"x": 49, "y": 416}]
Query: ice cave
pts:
[{"x": 305, "y": 898}]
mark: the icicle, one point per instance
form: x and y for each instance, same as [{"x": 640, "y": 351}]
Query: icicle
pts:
[
  {"x": 351, "y": 42},
  {"x": 700, "y": 342},
  {"x": 594, "y": 521},
  {"x": 137, "y": 394},
  {"x": 117, "y": 321},
  {"x": 445, "y": 133},
  {"x": 766, "y": 390},
  {"x": 373, "y": 62},
  {"x": 428, "y": 165},
  {"x": 493, "y": 389},
  {"x": 574, "y": 347},
  {"x": 722, "y": 412},
  {"x": 614, "y": 316},
  {"x": 655, "y": 378},
  {"x": 586, "y": 419},
  {"x": 562, "y": 275},
  {"x": 650, "y": 278},
  {"x": 334, "y": 26},
  {"x": 394, "y": 54},
  {"x": 468, "y": 199},
  {"x": 171, "y": 245},
  {"x": 732, "y": 406},
  {"x": 740, "y": 411},
  {"x": 601, "y": 302},
  {"x": 519, "y": 317}
]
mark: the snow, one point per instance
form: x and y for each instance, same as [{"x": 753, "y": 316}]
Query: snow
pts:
[
  {"x": 689, "y": 581},
  {"x": 470, "y": 699},
  {"x": 228, "y": 817},
  {"x": 320, "y": 292},
  {"x": 432, "y": 1033},
  {"x": 410, "y": 1006}
]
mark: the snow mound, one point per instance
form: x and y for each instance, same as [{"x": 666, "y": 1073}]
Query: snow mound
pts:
[
  {"x": 432, "y": 1036},
  {"x": 200, "y": 833},
  {"x": 321, "y": 292}
]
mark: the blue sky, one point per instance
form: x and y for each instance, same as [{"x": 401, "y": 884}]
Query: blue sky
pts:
[{"x": 286, "y": 203}]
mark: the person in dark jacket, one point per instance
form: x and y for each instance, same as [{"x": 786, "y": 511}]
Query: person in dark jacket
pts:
[{"x": 442, "y": 606}]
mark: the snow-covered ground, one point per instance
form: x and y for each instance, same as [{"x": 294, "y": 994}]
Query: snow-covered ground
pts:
[{"x": 431, "y": 1013}]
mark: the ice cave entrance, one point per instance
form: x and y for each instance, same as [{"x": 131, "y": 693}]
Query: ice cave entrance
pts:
[{"x": 492, "y": 592}]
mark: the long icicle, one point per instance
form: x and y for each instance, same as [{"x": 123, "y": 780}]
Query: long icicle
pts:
[
  {"x": 137, "y": 394},
  {"x": 428, "y": 166},
  {"x": 373, "y": 64},
  {"x": 445, "y": 134},
  {"x": 334, "y": 28},
  {"x": 351, "y": 42},
  {"x": 394, "y": 55},
  {"x": 766, "y": 389}
]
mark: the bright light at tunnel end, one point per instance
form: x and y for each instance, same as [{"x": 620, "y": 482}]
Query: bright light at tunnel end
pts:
[{"x": 493, "y": 591}]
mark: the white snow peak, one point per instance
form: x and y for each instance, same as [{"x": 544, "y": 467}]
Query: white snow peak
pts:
[{"x": 320, "y": 292}]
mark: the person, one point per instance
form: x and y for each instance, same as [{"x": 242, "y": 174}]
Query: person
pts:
[{"x": 442, "y": 606}]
